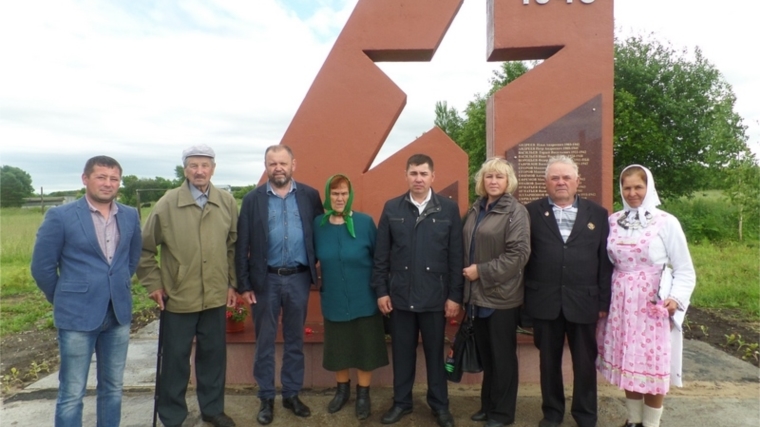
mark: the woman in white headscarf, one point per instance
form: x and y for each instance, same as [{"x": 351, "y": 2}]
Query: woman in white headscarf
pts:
[{"x": 640, "y": 341}]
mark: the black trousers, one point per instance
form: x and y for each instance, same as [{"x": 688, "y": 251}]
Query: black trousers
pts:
[
  {"x": 549, "y": 338},
  {"x": 208, "y": 328},
  {"x": 406, "y": 326},
  {"x": 496, "y": 339}
]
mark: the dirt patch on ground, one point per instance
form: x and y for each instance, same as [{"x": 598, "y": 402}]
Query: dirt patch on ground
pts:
[
  {"x": 27, "y": 356},
  {"x": 726, "y": 331}
]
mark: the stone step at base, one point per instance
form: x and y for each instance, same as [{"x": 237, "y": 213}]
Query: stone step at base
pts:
[{"x": 240, "y": 348}]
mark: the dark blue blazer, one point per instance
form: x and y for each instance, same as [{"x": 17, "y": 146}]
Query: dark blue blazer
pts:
[
  {"x": 253, "y": 235},
  {"x": 572, "y": 277},
  {"x": 73, "y": 272}
]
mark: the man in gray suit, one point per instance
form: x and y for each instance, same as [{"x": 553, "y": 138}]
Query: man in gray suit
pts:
[{"x": 567, "y": 289}]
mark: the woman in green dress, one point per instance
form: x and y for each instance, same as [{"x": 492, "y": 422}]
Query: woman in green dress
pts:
[{"x": 354, "y": 337}]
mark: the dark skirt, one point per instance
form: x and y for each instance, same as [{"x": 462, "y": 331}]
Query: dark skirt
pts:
[{"x": 359, "y": 343}]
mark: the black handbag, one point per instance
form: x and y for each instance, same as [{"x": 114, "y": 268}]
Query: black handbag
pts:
[{"x": 463, "y": 353}]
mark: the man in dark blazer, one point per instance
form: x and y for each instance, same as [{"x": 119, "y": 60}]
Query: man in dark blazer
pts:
[
  {"x": 275, "y": 265},
  {"x": 567, "y": 289},
  {"x": 417, "y": 278},
  {"x": 84, "y": 257}
]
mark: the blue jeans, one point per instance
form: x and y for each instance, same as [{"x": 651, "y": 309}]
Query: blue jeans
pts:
[
  {"x": 289, "y": 296},
  {"x": 109, "y": 342}
]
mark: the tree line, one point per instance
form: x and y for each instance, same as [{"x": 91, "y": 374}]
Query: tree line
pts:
[
  {"x": 673, "y": 112},
  {"x": 16, "y": 185}
]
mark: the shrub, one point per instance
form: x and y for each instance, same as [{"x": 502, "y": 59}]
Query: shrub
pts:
[{"x": 712, "y": 219}]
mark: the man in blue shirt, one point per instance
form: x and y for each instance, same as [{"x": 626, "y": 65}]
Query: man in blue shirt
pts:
[{"x": 276, "y": 266}]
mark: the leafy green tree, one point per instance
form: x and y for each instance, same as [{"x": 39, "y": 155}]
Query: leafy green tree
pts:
[
  {"x": 179, "y": 175},
  {"x": 469, "y": 132},
  {"x": 743, "y": 191},
  {"x": 674, "y": 113},
  {"x": 73, "y": 193},
  {"x": 15, "y": 184},
  {"x": 151, "y": 189},
  {"x": 240, "y": 192}
]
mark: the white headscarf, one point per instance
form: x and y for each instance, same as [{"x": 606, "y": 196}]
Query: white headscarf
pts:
[{"x": 651, "y": 200}]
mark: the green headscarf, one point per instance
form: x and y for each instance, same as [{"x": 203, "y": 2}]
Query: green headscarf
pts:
[{"x": 346, "y": 214}]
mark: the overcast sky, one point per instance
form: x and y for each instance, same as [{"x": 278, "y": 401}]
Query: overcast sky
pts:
[{"x": 141, "y": 80}]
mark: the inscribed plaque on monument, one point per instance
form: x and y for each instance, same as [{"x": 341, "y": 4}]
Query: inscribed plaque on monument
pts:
[{"x": 577, "y": 135}]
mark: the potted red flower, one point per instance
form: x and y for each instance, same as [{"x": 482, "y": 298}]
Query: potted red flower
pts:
[{"x": 236, "y": 317}]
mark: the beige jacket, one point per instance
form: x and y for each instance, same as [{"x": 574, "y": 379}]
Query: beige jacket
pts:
[
  {"x": 197, "y": 249},
  {"x": 502, "y": 248}
]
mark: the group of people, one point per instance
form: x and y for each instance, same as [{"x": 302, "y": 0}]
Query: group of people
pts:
[{"x": 616, "y": 288}]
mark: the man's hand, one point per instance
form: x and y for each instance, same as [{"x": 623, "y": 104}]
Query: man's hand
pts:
[
  {"x": 602, "y": 314},
  {"x": 452, "y": 308},
  {"x": 248, "y": 297},
  {"x": 158, "y": 296},
  {"x": 384, "y": 304},
  {"x": 232, "y": 297},
  {"x": 471, "y": 273}
]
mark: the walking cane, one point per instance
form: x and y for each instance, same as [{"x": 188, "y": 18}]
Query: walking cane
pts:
[{"x": 159, "y": 361}]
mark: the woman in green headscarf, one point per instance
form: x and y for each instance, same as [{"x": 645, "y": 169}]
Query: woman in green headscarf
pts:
[{"x": 354, "y": 335}]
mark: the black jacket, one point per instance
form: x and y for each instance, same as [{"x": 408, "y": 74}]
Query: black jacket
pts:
[
  {"x": 573, "y": 276},
  {"x": 418, "y": 258},
  {"x": 253, "y": 235}
]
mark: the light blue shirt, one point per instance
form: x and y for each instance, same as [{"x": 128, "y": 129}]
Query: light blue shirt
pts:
[
  {"x": 286, "y": 244},
  {"x": 200, "y": 198}
]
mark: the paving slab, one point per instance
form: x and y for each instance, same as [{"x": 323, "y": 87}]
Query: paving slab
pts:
[{"x": 720, "y": 390}]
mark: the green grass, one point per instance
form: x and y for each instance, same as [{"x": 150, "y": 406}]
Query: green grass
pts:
[
  {"x": 17, "y": 230},
  {"x": 728, "y": 277},
  {"x": 23, "y": 306}
]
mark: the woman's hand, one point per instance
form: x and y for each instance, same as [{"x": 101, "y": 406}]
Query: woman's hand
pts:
[
  {"x": 671, "y": 305},
  {"x": 471, "y": 273}
]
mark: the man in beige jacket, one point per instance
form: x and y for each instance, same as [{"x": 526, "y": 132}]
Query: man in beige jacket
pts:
[{"x": 195, "y": 225}]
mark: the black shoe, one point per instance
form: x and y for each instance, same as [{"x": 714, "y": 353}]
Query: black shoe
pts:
[
  {"x": 444, "y": 418},
  {"x": 627, "y": 424},
  {"x": 266, "y": 412},
  {"x": 395, "y": 414},
  {"x": 221, "y": 420},
  {"x": 547, "y": 423},
  {"x": 493, "y": 423},
  {"x": 363, "y": 404},
  {"x": 479, "y": 416},
  {"x": 341, "y": 397},
  {"x": 294, "y": 404}
]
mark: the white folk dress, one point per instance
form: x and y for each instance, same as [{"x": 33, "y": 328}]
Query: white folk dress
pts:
[{"x": 639, "y": 351}]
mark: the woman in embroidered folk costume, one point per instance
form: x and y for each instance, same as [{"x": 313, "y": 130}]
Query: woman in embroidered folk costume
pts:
[
  {"x": 344, "y": 242},
  {"x": 496, "y": 248},
  {"x": 640, "y": 341}
]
